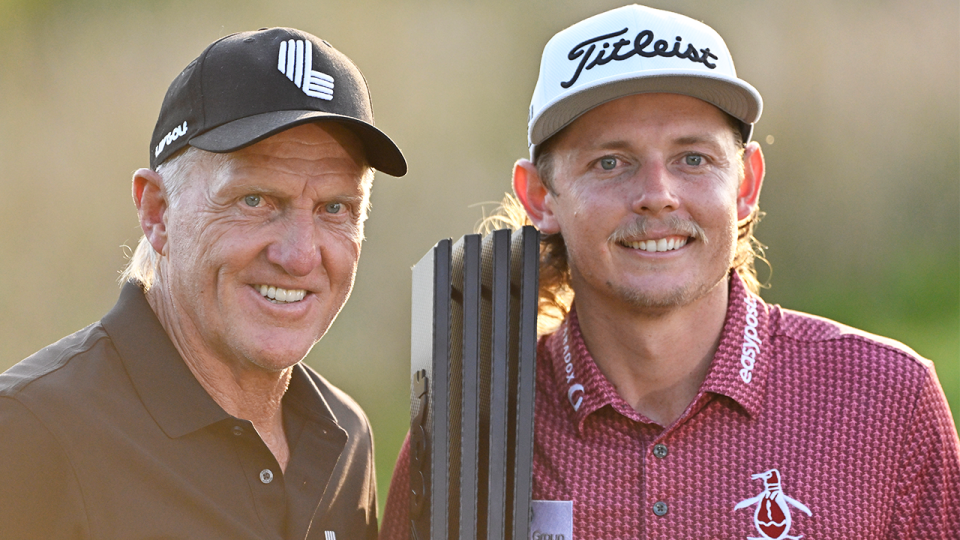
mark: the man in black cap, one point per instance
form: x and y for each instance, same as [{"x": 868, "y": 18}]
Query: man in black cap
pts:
[{"x": 186, "y": 412}]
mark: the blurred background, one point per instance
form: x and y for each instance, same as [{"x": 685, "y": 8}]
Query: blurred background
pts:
[{"x": 861, "y": 130}]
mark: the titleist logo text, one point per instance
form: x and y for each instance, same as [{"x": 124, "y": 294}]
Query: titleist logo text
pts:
[{"x": 623, "y": 49}]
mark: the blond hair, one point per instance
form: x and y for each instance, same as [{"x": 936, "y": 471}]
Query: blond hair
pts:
[
  {"x": 555, "y": 296},
  {"x": 144, "y": 265}
]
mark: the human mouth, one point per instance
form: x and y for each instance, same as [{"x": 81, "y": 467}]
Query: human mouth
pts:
[
  {"x": 280, "y": 296},
  {"x": 658, "y": 236},
  {"x": 663, "y": 244}
]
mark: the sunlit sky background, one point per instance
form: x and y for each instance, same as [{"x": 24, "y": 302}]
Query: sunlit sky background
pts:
[{"x": 861, "y": 130}]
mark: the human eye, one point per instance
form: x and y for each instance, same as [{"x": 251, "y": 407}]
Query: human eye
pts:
[
  {"x": 608, "y": 163},
  {"x": 333, "y": 208},
  {"x": 252, "y": 201},
  {"x": 693, "y": 160}
]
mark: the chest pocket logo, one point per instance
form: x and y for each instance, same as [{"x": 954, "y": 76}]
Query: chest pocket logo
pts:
[{"x": 772, "y": 517}]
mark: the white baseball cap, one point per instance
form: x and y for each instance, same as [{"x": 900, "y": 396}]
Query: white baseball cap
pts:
[{"x": 635, "y": 50}]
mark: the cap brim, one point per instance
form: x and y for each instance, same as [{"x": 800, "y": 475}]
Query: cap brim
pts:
[
  {"x": 733, "y": 96},
  {"x": 381, "y": 152}
]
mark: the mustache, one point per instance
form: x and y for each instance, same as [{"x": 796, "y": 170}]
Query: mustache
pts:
[{"x": 640, "y": 227}]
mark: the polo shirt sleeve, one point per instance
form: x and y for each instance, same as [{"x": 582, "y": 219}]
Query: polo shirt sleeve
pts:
[
  {"x": 39, "y": 493},
  {"x": 928, "y": 490}
]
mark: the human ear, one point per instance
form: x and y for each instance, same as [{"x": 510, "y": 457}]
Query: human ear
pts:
[
  {"x": 534, "y": 196},
  {"x": 151, "y": 207},
  {"x": 748, "y": 195}
]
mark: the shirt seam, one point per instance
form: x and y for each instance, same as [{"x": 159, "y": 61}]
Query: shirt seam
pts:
[
  {"x": 901, "y": 440},
  {"x": 62, "y": 359},
  {"x": 914, "y": 358},
  {"x": 844, "y": 332}
]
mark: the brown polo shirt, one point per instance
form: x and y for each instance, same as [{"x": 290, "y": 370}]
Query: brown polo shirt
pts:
[{"x": 106, "y": 434}]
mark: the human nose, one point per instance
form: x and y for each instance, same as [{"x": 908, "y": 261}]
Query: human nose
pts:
[
  {"x": 655, "y": 190},
  {"x": 297, "y": 246}
]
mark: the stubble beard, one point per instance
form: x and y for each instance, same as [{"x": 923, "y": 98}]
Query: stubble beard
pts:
[{"x": 660, "y": 302}]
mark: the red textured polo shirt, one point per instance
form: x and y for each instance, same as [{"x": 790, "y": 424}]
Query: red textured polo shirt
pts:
[{"x": 802, "y": 427}]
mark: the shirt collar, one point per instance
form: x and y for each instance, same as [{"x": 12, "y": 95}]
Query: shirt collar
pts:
[
  {"x": 578, "y": 380},
  {"x": 741, "y": 365},
  {"x": 167, "y": 387},
  {"x": 739, "y": 369}
]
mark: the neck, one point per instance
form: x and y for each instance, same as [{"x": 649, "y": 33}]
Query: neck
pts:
[
  {"x": 656, "y": 361},
  {"x": 242, "y": 390}
]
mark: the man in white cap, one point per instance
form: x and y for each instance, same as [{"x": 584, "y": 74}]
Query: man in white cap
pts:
[
  {"x": 672, "y": 402},
  {"x": 185, "y": 412}
]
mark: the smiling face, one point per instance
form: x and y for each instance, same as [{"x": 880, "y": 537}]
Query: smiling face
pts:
[
  {"x": 647, "y": 193},
  {"x": 260, "y": 253}
]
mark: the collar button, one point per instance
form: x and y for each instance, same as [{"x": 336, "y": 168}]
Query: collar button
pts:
[{"x": 660, "y": 451}]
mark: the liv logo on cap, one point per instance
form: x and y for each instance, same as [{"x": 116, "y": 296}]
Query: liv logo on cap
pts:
[{"x": 296, "y": 62}]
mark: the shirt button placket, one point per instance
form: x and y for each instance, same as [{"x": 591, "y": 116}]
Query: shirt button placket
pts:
[
  {"x": 660, "y": 452},
  {"x": 266, "y": 476}
]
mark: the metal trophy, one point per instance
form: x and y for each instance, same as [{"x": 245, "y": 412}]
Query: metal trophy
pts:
[{"x": 473, "y": 363}]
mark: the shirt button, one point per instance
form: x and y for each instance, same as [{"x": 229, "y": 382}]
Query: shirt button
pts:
[
  {"x": 660, "y": 450},
  {"x": 660, "y": 508},
  {"x": 237, "y": 430},
  {"x": 266, "y": 476}
]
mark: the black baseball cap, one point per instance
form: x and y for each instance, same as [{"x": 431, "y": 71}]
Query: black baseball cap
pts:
[{"x": 248, "y": 86}]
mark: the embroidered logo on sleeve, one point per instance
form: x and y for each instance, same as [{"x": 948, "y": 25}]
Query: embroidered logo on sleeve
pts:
[
  {"x": 551, "y": 520},
  {"x": 296, "y": 62},
  {"x": 772, "y": 517}
]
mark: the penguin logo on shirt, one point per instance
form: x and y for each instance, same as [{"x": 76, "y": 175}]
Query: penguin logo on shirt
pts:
[{"x": 772, "y": 517}]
